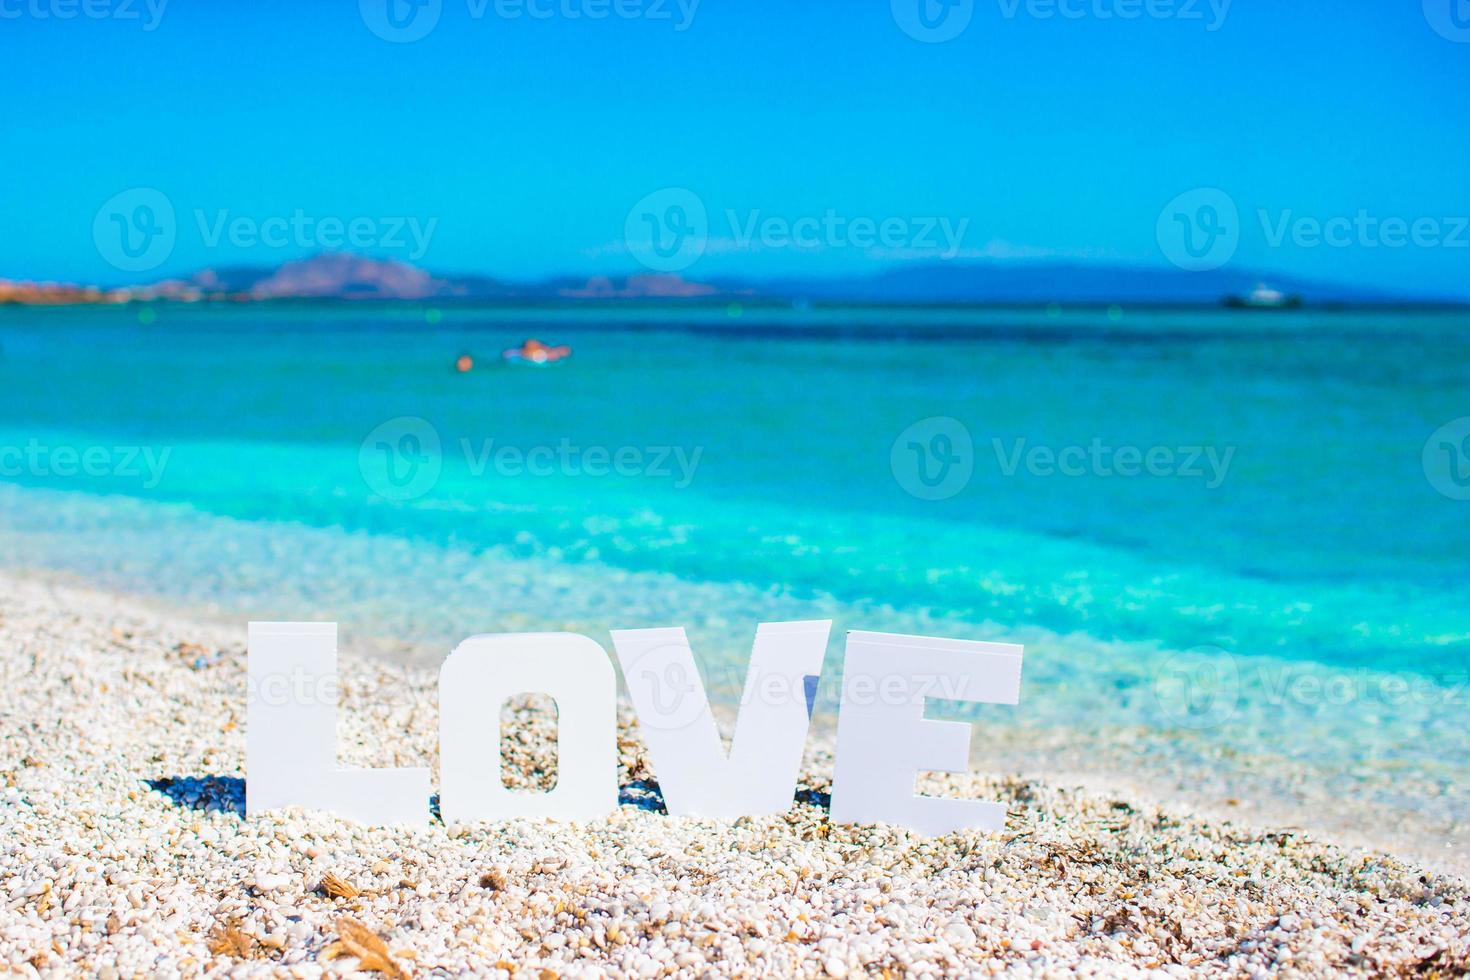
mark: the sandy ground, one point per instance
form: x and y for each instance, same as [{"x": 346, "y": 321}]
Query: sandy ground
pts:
[{"x": 124, "y": 852}]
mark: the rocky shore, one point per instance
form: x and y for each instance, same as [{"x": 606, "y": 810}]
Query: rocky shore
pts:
[{"x": 124, "y": 852}]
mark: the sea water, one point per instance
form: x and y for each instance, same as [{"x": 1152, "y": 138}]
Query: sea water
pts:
[{"x": 1223, "y": 528}]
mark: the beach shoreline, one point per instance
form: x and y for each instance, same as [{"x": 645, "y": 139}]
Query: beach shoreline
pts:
[
  {"x": 1352, "y": 794},
  {"x": 125, "y": 852}
]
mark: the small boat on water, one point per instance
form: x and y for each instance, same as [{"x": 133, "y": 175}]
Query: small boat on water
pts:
[
  {"x": 1263, "y": 297},
  {"x": 535, "y": 352}
]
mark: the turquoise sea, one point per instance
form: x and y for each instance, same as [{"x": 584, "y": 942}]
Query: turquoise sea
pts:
[{"x": 1238, "y": 535}]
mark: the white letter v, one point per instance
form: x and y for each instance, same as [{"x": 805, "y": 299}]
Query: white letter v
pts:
[{"x": 696, "y": 776}]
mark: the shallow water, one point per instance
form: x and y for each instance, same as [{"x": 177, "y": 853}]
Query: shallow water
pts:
[{"x": 1288, "y": 583}]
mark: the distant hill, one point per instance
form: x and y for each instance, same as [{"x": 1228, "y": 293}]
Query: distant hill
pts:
[
  {"x": 331, "y": 276},
  {"x": 988, "y": 282},
  {"x": 1057, "y": 282},
  {"x": 340, "y": 276}
]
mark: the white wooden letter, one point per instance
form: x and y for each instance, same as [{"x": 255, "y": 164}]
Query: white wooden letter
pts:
[
  {"x": 476, "y": 680},
  {"x": 883, "y": 739},
  {"x": 291, "y": 734},
  {"x": 696, "y": 776}
]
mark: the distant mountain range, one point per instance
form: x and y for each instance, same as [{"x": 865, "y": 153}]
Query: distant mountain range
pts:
[
  {"x": 338, "y": 276},
  {"x": 1029, "y": 283}
]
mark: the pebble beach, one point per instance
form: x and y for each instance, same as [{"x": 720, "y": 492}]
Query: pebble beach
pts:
[{"x": 124, "y": 852}]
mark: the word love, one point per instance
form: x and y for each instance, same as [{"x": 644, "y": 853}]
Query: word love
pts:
[{"x": 883, "y": 739}]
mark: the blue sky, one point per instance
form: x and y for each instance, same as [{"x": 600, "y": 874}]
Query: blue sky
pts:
[{"x": 517, "y": 144}]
